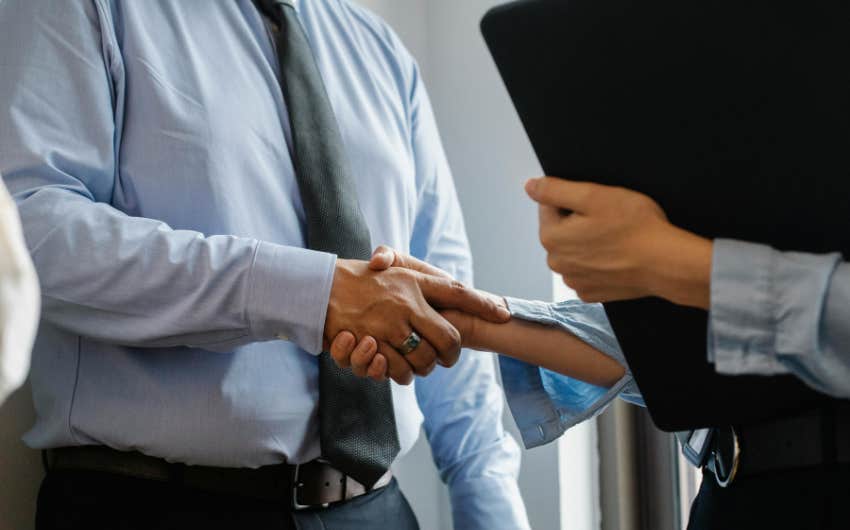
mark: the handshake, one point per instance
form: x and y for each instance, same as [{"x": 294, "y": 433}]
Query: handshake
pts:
[{"x": 396, "y": 316}]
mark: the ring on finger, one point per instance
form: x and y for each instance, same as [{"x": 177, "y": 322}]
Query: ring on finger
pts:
[{"x": 410, "y": 343}]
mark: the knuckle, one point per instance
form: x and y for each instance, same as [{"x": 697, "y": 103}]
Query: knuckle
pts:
[
  {"x": 404, "y": 378},
  {"x": 458, "y": 289},
  {"x": 449, "y": 341},
  {"x": 450, "y": 360},
  {"x": 398, "y": 336}
]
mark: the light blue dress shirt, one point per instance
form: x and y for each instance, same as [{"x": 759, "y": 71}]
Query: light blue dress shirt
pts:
[
  {"x": 147, "y": 147},
  {"x": 771, "y": 313}
]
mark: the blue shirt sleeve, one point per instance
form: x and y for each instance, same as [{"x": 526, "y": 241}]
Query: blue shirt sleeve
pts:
[
  {"x": 131, "y": 280},
  {"x": 462, "y": 406},
  {"x": 781, "y": 313},
  {"x": 545, "y": 403}
]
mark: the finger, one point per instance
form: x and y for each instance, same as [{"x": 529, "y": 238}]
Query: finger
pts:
[
  {"x": 433, "y": 366},
  {"x": 378, "y": 368},
  {"x": 567, "y": 194},
  {"x": 398, "y": 369},
  {"x": 341, "y": 348},
  {"x": 422, "y": 359},
  {"x": 386, "y": 257},
  {"x": 382, "y": 258},
  {"x": 363, "y": 355},
  {"x": 446, "y": 294},
  {"x": 409, "y": 262},
  {"x": 438, "y": 332},
  {"x": 549, "y": 216}
]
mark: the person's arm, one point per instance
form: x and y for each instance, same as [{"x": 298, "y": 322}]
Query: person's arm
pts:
[
  {"x": 770, "y": 312},
  {"x": 778, "y": 312},
  {"x": 535, "y": 343},
  {"x": 112, "y": 275},
  {"x": 109, "y": 273}
]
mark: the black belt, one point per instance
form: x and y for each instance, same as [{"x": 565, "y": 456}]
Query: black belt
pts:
[
  {"x": 815, "y": 438},
  {"x": 310, "y": 485}
]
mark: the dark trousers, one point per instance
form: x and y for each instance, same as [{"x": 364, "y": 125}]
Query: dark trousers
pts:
[
  {"x": 805, "y": 499},
  {"x": 75, "y": 500}
]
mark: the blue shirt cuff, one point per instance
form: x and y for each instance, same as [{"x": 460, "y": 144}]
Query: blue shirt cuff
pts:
[
  {"x": 544, "y": 403},
  {"x": 288, "y": 300},
  {"x": 764, "y": 303}
]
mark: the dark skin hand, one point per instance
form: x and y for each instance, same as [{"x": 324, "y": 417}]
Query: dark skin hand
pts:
[
  {"x": 535, "y": 343},
  {"x": 387, "y": 305}
]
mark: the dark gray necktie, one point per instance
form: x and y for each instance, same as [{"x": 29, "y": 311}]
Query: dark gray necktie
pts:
[{"x": 358, "y": 430}]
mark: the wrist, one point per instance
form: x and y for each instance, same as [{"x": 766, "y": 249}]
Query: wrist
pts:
[{"x": 680, "y": 270}]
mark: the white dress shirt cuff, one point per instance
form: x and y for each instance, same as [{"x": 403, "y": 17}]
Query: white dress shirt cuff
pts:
[{"x": 288, "y": 300}]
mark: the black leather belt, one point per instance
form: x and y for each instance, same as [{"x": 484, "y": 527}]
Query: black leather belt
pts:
[
  {"x": 812, "y": 439},
  {"x": 312, "y": 485}
]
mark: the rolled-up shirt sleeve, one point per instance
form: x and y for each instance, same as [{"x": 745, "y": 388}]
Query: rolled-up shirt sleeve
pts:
[
  {"x": 545, "y": 404},
  {"x": 778, "y": 312}
]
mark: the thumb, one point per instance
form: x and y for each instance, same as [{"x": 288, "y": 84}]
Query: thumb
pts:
[{"x": 382, "y": 259}]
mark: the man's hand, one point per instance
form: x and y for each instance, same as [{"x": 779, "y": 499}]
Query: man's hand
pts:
[
  {"x": 612, "y": 244},
  {"x": 388, "y": 305},
  {"x": 365, "y": 360}
]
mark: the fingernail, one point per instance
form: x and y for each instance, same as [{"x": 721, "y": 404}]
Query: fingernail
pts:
[
  {"x": 348, "y": 341},
  {"x": 531, "y": 186}
]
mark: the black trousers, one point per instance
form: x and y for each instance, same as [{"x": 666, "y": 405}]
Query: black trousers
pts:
[
  {"x": 804, "y": 499},
  {"x": 75, "y": 500}
]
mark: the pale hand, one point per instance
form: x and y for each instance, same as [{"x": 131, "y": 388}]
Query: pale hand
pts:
[{"x": 612, "y": 243}]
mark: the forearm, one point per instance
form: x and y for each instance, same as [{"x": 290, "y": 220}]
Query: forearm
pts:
[
  {"x": 550, "y": 347},
  {"x": 135, "y": 281},
  {"x": 679, "y": 269}
]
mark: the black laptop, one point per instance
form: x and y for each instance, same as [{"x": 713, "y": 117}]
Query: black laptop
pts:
[{"x": 733, "y": 115}]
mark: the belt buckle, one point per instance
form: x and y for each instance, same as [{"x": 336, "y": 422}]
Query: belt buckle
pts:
[
  {"x": 723, "y": 476},
  {"x": 297, "y": 484}
]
